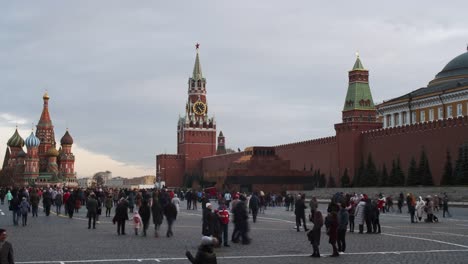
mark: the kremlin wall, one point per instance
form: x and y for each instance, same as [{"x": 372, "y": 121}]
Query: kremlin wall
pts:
[{"x": 398, "y": 129}]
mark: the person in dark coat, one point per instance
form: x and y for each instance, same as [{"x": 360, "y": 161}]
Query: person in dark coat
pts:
[
  {"x": 145, "y": 214},
  {"x": 299, "y": 211},
  {"x": 205, "y": 253},
  {"x": 208, "y": 220},
  {"x": 188, "y": 197},
  {"x": 240, "y": 221},
  {"x": 376, "y": 219},
  {"x": 170, "y": 211},
  {"x": 92, "y": 206},
  {"x": 254, "y": 205},
  {"x": 71, "y": 203},
  {"x": 47, "y": 202},
  {"x": 34, "y": 199},
  {"x": 157, "y": 213},
  {"x": 121, "y": 215},
  {"x": 14, "y": 205},
  {"x": 331, "y": 222},
  {"x": 58, "y": 203},
  {"x": 343, "y": 219},
  {"x": 6, "y": 249},
  {"x": 369, "y": 215},
  {"x": 314, "y": 234}
]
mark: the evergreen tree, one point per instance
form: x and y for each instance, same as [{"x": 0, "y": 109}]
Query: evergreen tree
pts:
[
  {"x": 322, "y": 181},
  {"x": 371, "y": 176},
  {"x": 461, "y": 165},
  {"x": 331, "y": 182},
  {"x": 384, "y": 176},
  {"x": 413, "y": 178},
  {"x": 345, "y": 179},
  {"x": 392, "y": 180},
  {"x": 424, "y": 170},
  {"x": 357, "y": 180},
  {"x": 400, "y": 175},
  {"x": 448, "y": 176}
]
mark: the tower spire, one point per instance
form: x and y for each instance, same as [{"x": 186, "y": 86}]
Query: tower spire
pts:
[{"x": 197, "y": 71}]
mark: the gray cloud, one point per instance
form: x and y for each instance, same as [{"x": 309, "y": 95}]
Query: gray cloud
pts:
[{"x": 117, "y": 71}]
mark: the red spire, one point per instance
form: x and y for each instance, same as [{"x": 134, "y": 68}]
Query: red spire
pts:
[{"x": 45, "y": 116}]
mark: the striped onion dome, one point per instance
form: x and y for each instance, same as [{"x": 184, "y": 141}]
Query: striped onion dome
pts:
[
  {"x": 32, "y": 141},
  {"x": 16, "y": 140},
  {"x": 52, "y": 152}
]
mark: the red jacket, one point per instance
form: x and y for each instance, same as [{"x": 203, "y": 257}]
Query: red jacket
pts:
[{"x": 223, "y": 216}]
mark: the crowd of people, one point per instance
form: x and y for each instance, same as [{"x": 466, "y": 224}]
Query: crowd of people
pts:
[{"x": 343, "y": 212}]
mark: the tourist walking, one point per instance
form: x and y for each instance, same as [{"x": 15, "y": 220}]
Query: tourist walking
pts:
[
  {"x": 170, "y": 212},
  {"x": 315, "y": 233},
  {"x": 47, "y": 202},
  {"x": 299, "y": 211},
  {"x": 205, "y": 253},
  {"x": 254, "y": 205},
  {"x": 34, "y": 199},
  {"x": 108, "y": 203},
  {"x": 411, "y": 203},
  {"x": 6, "y": 249},
  {"x": 343, "y": 219},
  {"x": 15, "y": 208},
  {"x": 241, "y": 228},
  {"x": 176, "y": 202},
  {"x": 188, "y": 197},
  {"x": 359, "y": 218},
  {"x": 92, "y": 206},
  {"x": 331, "y": 223},
  {"x": 136, "y": 219},
  {"x": 223, "y": 215},
  {"x": 157, "y": 213},
  {"x": 24, "y": 210},
  {"x": 401, "y": 200},
  {"x": 121, "y": 215},
  {"x": 420, "y": 208},
  {"x": 208, "y": 221},
  {"x": 9, "y": 197},
  {"x": 445, "y": 201},
  {"x": 58, "y": 202},
  {"x": 71, "y": 204},
  {"x": 145, "y": 213}
]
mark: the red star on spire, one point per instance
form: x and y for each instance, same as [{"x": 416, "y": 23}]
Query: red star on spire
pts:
[{"x": 197, "y": 45}]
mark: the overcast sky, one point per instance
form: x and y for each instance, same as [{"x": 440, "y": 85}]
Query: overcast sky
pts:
[{"x": 117, "y": 71}]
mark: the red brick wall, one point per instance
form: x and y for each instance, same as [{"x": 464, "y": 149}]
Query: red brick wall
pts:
[
  {"x": 171, "y": 169},
  {"x": 407, "y": 141}
]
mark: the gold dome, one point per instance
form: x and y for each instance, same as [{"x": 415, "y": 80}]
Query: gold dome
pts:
[
  {"x": 46, "y": 95},
  {"x": 52, "y": 152}
]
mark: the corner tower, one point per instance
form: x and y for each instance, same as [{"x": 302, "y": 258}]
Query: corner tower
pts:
[
  {"x": 196, "y": 131},
  {"x": 359, "y": 114}
]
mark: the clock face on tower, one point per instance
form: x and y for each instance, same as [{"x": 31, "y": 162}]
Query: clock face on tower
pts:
[{"x": 199, "y": 108}]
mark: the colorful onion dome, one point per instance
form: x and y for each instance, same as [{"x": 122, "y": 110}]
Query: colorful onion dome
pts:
[
  {"x": 52, "y": 152},
  {"x": 66, "y": 139},
  {"x": 32, "y": 141},
  {"x": 21, "y": 154},
  {"x": 16, "y": 140}
]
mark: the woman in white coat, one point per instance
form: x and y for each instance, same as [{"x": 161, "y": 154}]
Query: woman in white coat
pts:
[
  {"x": 176, "y": 201},
  {"x": 359, "y": 218},
  {"x": 420, "y": 204}
]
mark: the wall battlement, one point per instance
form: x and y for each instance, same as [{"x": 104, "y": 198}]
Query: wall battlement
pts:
[
  {"x": 171, "y": 156},
  {"x": 318, "y": 141},
  {"x": 419, "y": 127}
]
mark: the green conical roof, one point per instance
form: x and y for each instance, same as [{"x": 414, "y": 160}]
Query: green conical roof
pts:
[
  {"x": 221, "y": 134},
  {"x": 16, "y": 140},
  {"x": 359, "y": 96},
  {"x": 197, "y": 72},
  {"x": 358, "y": 64}
]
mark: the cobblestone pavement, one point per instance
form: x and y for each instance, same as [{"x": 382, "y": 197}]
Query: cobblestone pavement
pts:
[{"x": 58, "y": 239}]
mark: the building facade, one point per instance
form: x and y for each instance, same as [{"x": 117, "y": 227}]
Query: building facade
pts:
[
  {"x": 432, "y": 119},
  {"x": 42, "y": 164}
]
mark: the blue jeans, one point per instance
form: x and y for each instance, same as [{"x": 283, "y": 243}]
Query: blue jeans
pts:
[
  {"x": 16, "y": 215},
  {"x": 224, "y": 229}
]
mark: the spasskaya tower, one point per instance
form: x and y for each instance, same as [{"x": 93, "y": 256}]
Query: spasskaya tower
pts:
[{"x": 196, "y": 134}]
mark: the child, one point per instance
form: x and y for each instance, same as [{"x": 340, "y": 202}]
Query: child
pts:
[{"x": 136, "y": 222}]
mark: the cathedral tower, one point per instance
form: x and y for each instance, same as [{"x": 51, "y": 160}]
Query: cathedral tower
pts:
[
  {"x": 31, "y": 171},
  {"x": 67, "y": 159},
  {"x": 196, "y": 131},
  {"x": 221, "y": 144},
  {"x": 45, "y": 133}
]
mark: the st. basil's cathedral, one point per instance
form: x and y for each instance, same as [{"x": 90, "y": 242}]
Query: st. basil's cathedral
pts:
[{"x": 42, "y": 164}]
